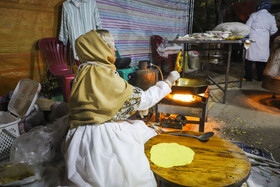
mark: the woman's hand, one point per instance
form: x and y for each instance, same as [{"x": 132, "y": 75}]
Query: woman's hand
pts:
[
  {"x": 157, "y": 129},
  {"x": 172, "y": 77},
  {"x": 143, "y": 113}
]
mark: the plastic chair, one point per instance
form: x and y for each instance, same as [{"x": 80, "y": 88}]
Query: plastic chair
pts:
[
  {"x": 156, "y": 40},
  {"x": 54, "y": 54}
]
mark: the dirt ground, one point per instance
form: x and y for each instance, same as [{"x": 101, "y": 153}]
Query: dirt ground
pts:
[{"x": 250, "y": 114}]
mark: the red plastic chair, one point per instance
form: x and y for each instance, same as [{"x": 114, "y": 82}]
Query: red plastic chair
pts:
[
  {"x": 54, "y": 54},
  {"x": 156, "y": 40}
]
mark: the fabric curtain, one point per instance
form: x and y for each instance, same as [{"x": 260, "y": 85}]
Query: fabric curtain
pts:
[{"x": 132, "y": 23}]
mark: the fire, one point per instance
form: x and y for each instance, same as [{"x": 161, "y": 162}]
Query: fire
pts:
[
  {"x": 184, "y": 98},
  {"x": 202, "y": 94}
]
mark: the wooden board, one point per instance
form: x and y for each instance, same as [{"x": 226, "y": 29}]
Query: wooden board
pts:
[{"x": 217, "y": 162}]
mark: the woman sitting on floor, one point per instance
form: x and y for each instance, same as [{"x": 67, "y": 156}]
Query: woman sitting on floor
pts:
[{"x": 103, "y": 148}]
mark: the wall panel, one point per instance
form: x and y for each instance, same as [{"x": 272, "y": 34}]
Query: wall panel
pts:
[{"x": 22, "y": 24}]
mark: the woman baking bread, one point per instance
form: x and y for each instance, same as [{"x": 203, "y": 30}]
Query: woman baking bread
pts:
[{"x": 102, "y": 147}]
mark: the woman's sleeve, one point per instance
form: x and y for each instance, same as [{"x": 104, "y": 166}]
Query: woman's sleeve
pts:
[
  {"x": 273, "y": 28},
  {"x": 249, "y": 22},
  {"x": 153, "y": 95}
]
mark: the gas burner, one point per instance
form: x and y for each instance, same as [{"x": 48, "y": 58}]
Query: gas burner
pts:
[
  {"x": 172, "y": 120},
  {"x": 179, "y": 104}
]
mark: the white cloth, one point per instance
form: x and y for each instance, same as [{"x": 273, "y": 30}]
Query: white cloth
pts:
[
  {"x": 109, "y": 155},
  {"x": 166, "y": 49},
  {"x": 236, "y": 28},
  {"x": 262, "y": 24},
  {"x": 112, "y": 154}
]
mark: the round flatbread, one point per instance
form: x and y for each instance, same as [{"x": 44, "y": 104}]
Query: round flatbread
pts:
[{"x": 167, "y": 155}]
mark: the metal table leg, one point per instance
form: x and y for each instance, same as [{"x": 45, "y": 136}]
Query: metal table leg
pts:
[
  {"x": 203, "y": 117},
  {"x": 243, "y": 63},
  {"x": 184, "y": 59},
  {"x": 227, "y": 73}
]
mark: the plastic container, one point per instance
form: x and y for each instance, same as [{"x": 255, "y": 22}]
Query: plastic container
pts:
[
  {"x": 194, "y": 60},
  {"x": 20, "y": 105}
]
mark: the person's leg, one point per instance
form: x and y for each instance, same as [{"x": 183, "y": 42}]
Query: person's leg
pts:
[
  {"x": 248, "y": 70},
  {"x": 260, "y": 68}
]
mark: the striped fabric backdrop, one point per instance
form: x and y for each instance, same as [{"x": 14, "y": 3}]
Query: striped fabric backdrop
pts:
[{"x": 133, "y": 22}]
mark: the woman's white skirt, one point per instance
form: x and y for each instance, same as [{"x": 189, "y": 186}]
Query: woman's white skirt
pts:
[{"x": 109, "y": 155}]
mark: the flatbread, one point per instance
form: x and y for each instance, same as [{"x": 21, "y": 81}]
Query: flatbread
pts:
[{"x": 167, "y": 155}]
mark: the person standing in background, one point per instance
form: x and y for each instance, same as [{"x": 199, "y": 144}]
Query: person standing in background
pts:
[
  {"x": 103, "y": 148},
  {"x": 262, "y": 25}
]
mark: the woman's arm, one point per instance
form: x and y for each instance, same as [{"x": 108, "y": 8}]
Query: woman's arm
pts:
[{"x": 153, "y": 95}]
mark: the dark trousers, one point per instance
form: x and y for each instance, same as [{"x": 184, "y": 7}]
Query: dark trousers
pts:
[{"x": 249, "y": 70}]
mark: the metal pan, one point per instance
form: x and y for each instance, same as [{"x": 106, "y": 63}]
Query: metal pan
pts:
[{"x": 190, "y": 86}]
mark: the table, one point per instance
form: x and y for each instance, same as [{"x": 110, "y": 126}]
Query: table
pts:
[
  {"x": 217, "y": 162},
  {"x": 229, "y": 43}
]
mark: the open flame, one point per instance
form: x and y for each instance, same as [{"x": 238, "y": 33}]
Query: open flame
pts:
[
  {"x": 202, "y": 94},
  {"x": 183, "y": 97}
]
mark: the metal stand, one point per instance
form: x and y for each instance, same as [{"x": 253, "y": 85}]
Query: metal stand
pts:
[
  {"x": 186, "y": 48},
  {"x": 193, "y": 109}
]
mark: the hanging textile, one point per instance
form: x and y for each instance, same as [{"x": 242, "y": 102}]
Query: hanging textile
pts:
[
  {"x": 78, "y": 17},
  {"x": 132, "y": 23}
]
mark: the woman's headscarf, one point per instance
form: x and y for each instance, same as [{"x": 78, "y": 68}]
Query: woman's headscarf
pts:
[
  {"x": 97, "y": 92},
  {"x": 265, "y": 4}
]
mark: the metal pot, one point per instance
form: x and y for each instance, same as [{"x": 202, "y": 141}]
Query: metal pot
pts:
[{"x": 190, "y": 86}]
